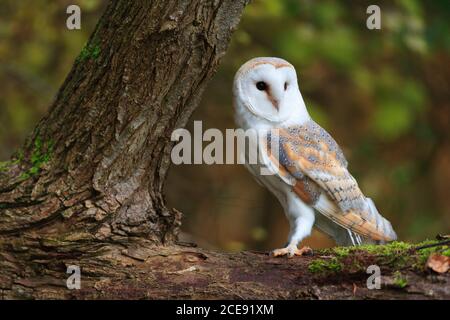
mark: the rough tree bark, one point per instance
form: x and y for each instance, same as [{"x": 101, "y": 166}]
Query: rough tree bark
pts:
[
  {"x": 97, "y": 161},
  {"x": 86, "y": 189}
]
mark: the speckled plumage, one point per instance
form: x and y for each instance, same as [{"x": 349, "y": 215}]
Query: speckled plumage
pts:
[{"x": 309, "y": 154}]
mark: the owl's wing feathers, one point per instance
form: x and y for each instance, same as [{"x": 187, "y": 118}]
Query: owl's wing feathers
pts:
[{"x": 311, "y": 156}]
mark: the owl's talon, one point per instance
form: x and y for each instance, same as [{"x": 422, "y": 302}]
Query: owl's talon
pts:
[{"x": 291, "y": 251}]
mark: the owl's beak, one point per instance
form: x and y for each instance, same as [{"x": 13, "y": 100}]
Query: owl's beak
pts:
[
  {"x": 275, "y": 96},
  {"x": 276, "y": 104}
]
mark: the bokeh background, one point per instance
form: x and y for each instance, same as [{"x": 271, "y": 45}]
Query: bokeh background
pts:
[{"x": 383, "y": 94}]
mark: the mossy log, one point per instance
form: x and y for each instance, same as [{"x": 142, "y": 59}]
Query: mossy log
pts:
[{"x": 140, "y": 270}]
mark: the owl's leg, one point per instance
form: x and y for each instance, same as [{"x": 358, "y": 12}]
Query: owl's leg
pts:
[{"x": 301, "y": 220}]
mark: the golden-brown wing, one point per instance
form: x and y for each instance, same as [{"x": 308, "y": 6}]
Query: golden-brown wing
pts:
[{"x": 313, "y": 158}]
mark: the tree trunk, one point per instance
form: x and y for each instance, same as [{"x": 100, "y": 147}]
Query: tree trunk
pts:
[
  {"x": 96, "y": 164},
  {"x": 86, "y": 189},
  {"x": 93, "y": 169}
]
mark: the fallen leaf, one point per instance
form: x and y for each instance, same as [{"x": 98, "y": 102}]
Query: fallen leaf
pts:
[{"x": 438, "y": 263}]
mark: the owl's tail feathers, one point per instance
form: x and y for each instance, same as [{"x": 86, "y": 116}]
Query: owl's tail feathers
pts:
[
  {"x": 341, "y": 235},
  {"x": 383, "y": 224},
  {"x": 353, "y": 227}
]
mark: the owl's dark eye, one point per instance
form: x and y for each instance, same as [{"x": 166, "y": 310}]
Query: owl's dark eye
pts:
[
  {"x": 285, "y": 86},
  {"x": 261, "y": 85}
]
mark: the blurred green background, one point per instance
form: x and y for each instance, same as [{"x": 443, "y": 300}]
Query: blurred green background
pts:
[{"x": 383, "y": 95}]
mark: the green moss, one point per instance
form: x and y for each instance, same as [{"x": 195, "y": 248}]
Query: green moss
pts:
[
  {"x": 342, "y": 252},
  {"x": 24, "y": 176},
  {"x": 392, "y": 248},
  {"x": 40, "y": 155},
  {"x": 399, "y": 280},
  {"x": 19, "y": 155},
  {"x": 89, "y": 52},
  {"x": 323, "y": 266},
  {"x": 421, "y": 255},
  {"x": 446, "y": 253},
  {"x": 396, "y": 254},
  {"x": 4, "y": 165}
]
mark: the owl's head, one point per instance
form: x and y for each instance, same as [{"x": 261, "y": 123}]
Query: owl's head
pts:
[{"x": 268, "y": 89}]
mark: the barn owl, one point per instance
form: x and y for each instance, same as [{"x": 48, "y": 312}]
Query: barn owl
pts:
[{"x": 312, "y": 181}]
